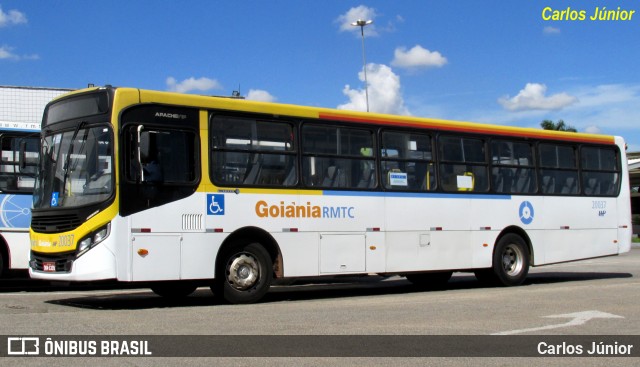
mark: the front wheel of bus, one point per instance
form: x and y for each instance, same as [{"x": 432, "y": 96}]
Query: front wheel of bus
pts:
[
  {"x": 245, "y": 275},
  {"x": 510, "y": 262}
]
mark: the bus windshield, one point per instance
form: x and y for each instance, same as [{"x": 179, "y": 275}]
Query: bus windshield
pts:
[{"x": 75, "y": 168}]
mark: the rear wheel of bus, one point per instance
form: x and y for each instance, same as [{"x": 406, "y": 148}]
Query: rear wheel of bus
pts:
[
  {"x": 244, "y": 273},
  {"x": 510, "y": 262}
]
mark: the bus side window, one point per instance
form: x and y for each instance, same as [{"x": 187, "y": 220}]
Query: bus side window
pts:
[
  {"x": 600, "y": 170},
  {"x": 407, "y": 161},
  {"x": 150, "y": 159},
  {"x": 559, "y": 171},
  {"x": 338, "y": 157},
  {"x": 464, "y": 164},
  {"x": 512, "y": 167},
  {"x": 246, "y": 151},
  {"x": 18, "y": 162}
]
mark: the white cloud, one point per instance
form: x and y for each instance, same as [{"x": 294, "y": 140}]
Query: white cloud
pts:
[
  {"x": 607, "y": 94},
  {"x": 11, "y": 18},
  {"x": 31, "y": 57},
  {"x": 550, "y": 30},
  {"x": 7, "y": 54},
  {"x": 610, "y": 107},
  {"x": 533, "y": 97},
  {"x": 358, "y": 13},
  {"x": 593, "y": 129},
  {"x": 384, "y": 92},
  {"x": 192, "y": 84},
  {"x": 417, "y": 57},
  {"x": 260, "y": 95}
]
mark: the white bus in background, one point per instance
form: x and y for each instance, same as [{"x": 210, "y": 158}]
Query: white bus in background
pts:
[
  {"x": 20, "y": 115},
  {"x": 182, "y": 191}
]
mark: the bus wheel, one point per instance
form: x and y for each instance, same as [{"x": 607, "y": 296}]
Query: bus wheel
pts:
[
  {"x": 1, "y": 264},
  {"x": 510, "y": 262},
  {"x": 174, "y": 289},
  {"x": 246, "y": 274},
  {"x": 430, "y": 280}
]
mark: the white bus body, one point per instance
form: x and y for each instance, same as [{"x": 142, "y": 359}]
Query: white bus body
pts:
[{"x": 306, "y": 230}]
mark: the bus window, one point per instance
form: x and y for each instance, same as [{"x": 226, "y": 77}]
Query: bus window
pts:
[
  {"x": 558, "y": 173},
  {"x": 513, "y": 170},
  {"x": 338, "y": 157},
  {"x": 407, "y": 161},
  {"x": 600, "y": 171},
  {"x": 18, "y": 163},
  {"x": 463, "y": 164},
  {"x": 166, "y": 156},
  {"x": 250, "y": 152}
]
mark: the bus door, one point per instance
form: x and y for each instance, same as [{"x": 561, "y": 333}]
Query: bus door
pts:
[{"x": 161, "y": 167}]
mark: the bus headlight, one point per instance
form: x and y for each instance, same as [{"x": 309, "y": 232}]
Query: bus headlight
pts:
[{"x": 93, "y": 239}]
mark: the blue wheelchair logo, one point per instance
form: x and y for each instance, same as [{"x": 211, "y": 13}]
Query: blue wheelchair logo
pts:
[
  {"x": 215, "y": 204},
  {"x": 54, "y": 198},
  {"x": 526, "y": 212}
]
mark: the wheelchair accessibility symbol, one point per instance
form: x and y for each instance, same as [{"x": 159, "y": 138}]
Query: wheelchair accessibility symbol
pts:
[
  {"x": 215, "y": 204},
  {"x": 526, "y": 212},
  {"x": 55, "y": 199}
]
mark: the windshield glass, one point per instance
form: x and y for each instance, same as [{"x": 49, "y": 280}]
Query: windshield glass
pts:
[{"x": 75, "y": 168}]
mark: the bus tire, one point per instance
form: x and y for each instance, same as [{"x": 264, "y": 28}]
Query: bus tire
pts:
[
  {"x": 430, "y": 280},
  {"x": 1, "y": 263},
  {"x": 510, "y": 262},
  {"x": 245, "y": 274},
  {"x": 174, "y": 289}
]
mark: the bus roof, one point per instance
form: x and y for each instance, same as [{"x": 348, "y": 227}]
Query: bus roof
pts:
[{"x": 236, "y": 104}]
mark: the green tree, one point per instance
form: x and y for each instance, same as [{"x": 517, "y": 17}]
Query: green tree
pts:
[{"x": 559, "y": 126}]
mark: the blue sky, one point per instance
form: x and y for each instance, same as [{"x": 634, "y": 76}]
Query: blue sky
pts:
[{"x": 483, "y": 61}]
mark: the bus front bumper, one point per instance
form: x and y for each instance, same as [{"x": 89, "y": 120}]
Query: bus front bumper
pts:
[{"x": 97, "y": 264}]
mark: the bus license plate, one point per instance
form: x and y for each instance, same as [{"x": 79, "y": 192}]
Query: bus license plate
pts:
[{"x": 49, "y": 266}]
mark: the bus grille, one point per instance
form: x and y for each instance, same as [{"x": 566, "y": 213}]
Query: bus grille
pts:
[
  {"x": 63, "y": 263},
  {"x": 55, "y": 223}
]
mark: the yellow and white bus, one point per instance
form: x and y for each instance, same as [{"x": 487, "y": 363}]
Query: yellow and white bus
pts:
[{"x": 183, "y": 190}]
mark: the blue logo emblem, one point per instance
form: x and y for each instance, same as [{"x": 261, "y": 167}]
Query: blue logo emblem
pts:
[
  {"x": 15, "y": 211},
  {"x": 215, "y": 204},
  {"x": 54, "y": 198},
  {"x": 526, "y": 212}
]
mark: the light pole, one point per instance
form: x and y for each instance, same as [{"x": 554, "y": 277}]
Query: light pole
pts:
[{"x": 362, "y": 23}]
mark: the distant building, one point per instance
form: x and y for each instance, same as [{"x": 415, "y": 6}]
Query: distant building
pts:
[{"x": 22, "y": 107}]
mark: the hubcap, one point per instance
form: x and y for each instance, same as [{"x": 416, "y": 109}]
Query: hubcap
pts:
[
  {"x": 243, "y": 272},
  {"x": 512, "y": 260}
]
